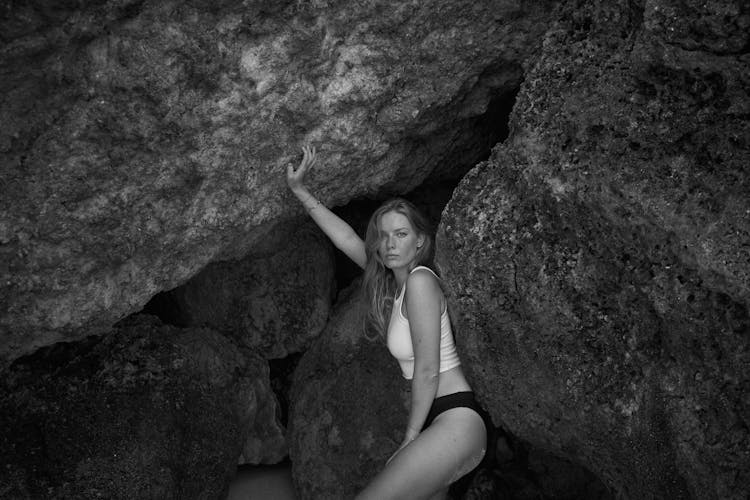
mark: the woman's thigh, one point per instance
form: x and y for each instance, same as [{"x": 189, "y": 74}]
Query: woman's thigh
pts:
[{"x": 452, "y": 446}]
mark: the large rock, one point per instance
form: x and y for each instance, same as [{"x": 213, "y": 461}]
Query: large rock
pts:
[
  {"x": 598, "y": 261},
  {"x": 142, "y": 140},
  {"x": 149, "y": 411},
  {"x": 349, "y": 407},
  {"x": 275, "y": 305}
]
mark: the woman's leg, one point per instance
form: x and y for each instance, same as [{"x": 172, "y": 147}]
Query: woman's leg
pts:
[{"x": 449, "y": 448}]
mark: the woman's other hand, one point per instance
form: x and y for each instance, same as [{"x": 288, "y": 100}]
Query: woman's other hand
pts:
[
  {"x": 404, "y": 444},
  {"x": 296, "y": 178}
]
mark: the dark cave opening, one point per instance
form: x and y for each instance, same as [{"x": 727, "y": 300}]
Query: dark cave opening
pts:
[{"x": 431, "y": 197}]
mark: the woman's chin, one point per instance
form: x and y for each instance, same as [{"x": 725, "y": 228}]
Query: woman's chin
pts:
[{"x": 394, "y": 265}]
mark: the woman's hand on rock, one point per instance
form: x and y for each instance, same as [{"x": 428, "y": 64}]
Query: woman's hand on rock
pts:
[{"x": 296, "y": 178}]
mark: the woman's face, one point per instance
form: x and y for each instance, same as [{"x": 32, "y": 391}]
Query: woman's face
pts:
[{"x": 399, "y": 241}]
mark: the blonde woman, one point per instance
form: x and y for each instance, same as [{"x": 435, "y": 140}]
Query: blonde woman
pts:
[{"x": 446, "y": 436}]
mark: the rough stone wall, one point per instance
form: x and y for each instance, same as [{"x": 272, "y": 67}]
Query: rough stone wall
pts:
[
  {"x": 598, "y": 261},
  {"x": 142, "y": 140},
  {"x": 149, "y": 411}
]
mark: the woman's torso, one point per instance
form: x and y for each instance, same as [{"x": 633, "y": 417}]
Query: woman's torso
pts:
[{"x": 450, "y": 380}]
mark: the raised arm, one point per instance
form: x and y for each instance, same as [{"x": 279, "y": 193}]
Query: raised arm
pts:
[{"x": 341, "y": 234}]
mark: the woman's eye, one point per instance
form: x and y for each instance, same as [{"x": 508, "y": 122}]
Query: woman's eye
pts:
[{"x": 402, "y": 234}]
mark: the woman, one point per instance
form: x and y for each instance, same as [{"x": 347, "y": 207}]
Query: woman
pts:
[{"x": 445, "y": 436}]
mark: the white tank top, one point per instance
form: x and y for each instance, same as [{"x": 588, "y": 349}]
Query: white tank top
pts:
[{"x": 399, "y": 338}]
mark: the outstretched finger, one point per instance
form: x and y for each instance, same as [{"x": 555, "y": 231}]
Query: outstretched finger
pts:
[{"x": 309, "y": 158}]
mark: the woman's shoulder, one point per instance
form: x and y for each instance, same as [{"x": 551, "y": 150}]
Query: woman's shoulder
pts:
[
  {"x": 424, "y": 268},
  {"x": 424, "y": 284},
  {"x": 422, "y": 277}
]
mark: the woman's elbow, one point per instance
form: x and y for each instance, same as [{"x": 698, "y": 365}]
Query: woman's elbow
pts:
[{"x": 428, "y": 373}]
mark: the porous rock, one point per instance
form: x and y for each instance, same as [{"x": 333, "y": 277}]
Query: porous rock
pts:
[
  {"x": 349, "y": 407},
  {"x": 148, "y": 411},
  {"x": 142, "y": 140},
  {"x": 274, "y": 305},
  {"x": 529, "y": 474},
  {"x": 598, "y": 262}
]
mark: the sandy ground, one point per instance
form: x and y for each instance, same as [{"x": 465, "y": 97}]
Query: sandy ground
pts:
[{"x": 262, "y": 482}]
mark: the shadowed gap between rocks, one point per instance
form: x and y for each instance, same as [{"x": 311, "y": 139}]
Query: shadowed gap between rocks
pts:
[{"x": 433, "y": 194}]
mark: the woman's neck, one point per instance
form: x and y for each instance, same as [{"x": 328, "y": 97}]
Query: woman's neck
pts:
[{"x": 400, "y": 275}]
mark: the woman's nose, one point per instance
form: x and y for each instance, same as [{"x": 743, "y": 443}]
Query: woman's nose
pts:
[{"x": 391, "y": 242}]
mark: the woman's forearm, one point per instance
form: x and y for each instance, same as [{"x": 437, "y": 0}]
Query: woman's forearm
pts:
[
  {"x": 341, "y": 234},
  {"x": 423, "y": 390}
]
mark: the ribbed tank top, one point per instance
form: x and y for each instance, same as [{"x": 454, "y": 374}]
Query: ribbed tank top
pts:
[{"x": 399, "y": 337}]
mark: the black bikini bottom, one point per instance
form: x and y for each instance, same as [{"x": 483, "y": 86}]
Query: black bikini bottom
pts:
[{"x": 456, "y": 400}]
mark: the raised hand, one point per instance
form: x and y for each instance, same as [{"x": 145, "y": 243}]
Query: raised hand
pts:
[
  {"x": 341, "y": 233},
  {"x": 296, "y": 178}
]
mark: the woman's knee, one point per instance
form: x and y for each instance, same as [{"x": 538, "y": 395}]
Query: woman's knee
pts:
[{"x": 467, "y": 463}]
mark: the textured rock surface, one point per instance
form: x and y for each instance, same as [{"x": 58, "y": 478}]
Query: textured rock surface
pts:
[
  {"x": 598, "y": 261},
  {"x": 349, "y": 408},
  {"x": 275, "y": 305},
  {"x": 149, "y": 411},
  {"x": 266, "y": 436},
  {"x": 524, "y": 473},
  {"x": 142, "y": 140}
]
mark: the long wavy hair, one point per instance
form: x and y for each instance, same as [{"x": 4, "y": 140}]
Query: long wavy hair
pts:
[{"x": 379, "y": 283}]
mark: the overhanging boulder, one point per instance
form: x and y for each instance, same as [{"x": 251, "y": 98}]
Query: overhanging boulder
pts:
[{"x": 143, "y": 140}]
